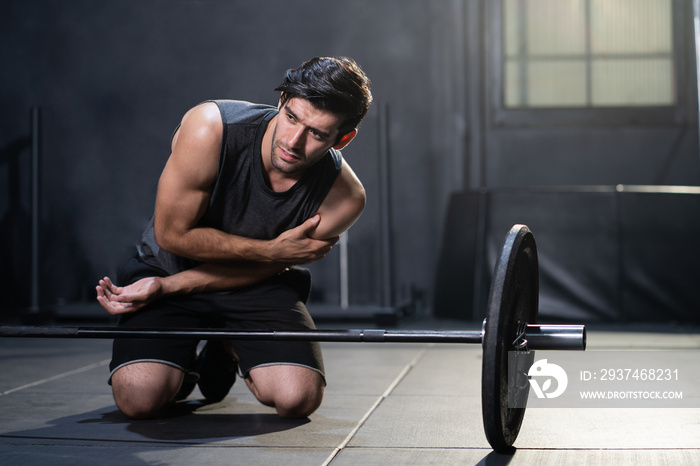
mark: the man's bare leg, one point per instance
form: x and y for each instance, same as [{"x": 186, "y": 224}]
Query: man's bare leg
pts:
[
  {"x": 141, "y": 389},
  {"x": 295, "y": 391}
]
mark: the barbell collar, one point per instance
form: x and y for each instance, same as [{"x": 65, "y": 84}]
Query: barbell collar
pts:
[{"x": 553, "y": 337}]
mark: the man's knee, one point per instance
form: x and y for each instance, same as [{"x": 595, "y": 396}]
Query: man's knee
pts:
[
  {"x": 137, "y": 404},
  {"x": 294, "y": 391},
  {"x": 141, "y": 389},
  {"x": 298, "y": 404}
]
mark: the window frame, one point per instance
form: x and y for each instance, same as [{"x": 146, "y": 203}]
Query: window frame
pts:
[{"x": 500, "y": 115}]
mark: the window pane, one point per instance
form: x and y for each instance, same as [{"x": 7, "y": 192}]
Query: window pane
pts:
[
  {"x": 630, "y": 26},
  {"x": 559, "y": 83},
  {"x": 632, "y": 82},
  {"x": 561, "y": 20}
]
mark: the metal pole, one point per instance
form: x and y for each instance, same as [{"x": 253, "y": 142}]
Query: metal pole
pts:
[
  {"x": 344, "y": 280},
  {"x": 385, "y": 208},
  {"x": 696, "y": 22},
  {"x": 35, "y": 207}
]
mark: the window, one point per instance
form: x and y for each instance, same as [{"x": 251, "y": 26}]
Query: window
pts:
[
  {"x": 588, "y": 62},
  {"x": 587, "y": 53}
]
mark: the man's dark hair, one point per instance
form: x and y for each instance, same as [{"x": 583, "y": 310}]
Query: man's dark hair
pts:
[{"x": 337, "y": 85}]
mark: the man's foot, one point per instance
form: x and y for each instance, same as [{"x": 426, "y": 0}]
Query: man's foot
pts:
[
  {"x": 187, "y": 386},
  {"x": 189, "y": 382},
  {"x": 217, "y": 371}
]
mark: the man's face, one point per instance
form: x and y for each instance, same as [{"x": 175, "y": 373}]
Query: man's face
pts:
[{"x": 302, "y": 136}]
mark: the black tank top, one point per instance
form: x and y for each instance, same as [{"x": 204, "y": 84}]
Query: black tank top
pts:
[{"x": 241, "y": 203}]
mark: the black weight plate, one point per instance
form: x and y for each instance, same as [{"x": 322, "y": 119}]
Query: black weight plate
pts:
[{"x": 513, "y": 300}]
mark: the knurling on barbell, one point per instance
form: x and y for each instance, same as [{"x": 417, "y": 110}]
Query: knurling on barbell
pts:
[{"x": 510, "y": 327}]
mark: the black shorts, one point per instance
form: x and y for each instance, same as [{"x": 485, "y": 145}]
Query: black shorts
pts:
[{"x": 275, "y": 304}]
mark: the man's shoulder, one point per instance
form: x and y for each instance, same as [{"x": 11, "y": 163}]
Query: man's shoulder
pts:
[
  {"x": 336, "y": 158},
  {"x": 241, "y": 111}
]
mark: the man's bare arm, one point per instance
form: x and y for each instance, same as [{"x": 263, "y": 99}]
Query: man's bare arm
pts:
[
  {"x": 206, "y": 277},
  {"x": 341, "y": 208}
]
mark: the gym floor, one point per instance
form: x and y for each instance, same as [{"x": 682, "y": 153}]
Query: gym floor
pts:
[{"x": 385, "y": 404}]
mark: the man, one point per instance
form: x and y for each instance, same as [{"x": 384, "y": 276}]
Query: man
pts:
[{"x": 248, "y": 192}]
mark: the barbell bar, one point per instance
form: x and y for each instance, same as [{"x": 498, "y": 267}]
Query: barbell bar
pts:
[
  {"x": 509, "y": 327},
  {"x": 532, "y": 336}
]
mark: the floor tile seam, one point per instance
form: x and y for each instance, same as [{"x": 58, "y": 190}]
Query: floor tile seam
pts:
[
  {"x": 376, "y": 404},
  {"x": 524, "y": 449},
  {"x": 62, "y": 375},
  {"x": 116, "y": 443},
  {"x": 159, "y": 444},
  {"x": 412, "y": 448},
  {"x": 431, "y": 395},
  {"x": 608, "y": 449},
  {"x": 407, "y": 395}
]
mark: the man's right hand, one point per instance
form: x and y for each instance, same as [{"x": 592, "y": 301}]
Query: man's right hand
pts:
[
  {"x": 297, "y": 246},
  {"x": 124, "y": 299}
]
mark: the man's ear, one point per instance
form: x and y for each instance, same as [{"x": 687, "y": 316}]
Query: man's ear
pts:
[{"x": 345, "y": 140}]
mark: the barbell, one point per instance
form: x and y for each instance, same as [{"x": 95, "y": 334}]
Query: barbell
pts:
[{"x": 510, "y": 327}]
